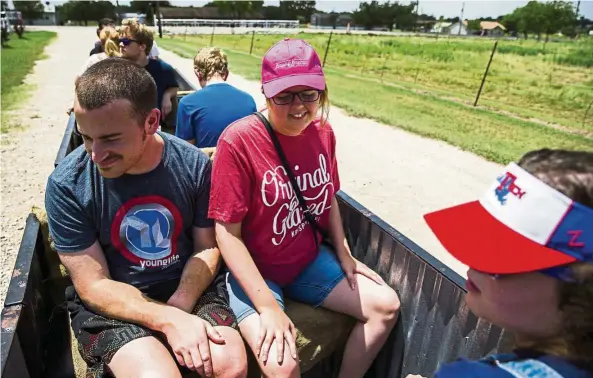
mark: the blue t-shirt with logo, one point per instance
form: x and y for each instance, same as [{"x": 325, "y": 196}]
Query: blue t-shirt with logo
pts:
[
  {"x": 204, "y": 114},
  {"x": 143, "y": 222},
  {"x": 522, "y": 365},
  {"x": 164, "y": 77}
]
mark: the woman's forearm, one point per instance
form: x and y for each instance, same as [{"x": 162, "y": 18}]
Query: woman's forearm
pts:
[
  {"x": 336, "y": 230},
  {"x": 243, "y": 268}
]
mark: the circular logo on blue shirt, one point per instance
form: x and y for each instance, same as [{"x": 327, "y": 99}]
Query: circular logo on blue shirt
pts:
[{"x": 145, "y": 231}]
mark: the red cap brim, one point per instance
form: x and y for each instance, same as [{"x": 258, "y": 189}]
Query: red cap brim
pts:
[
  {"x": 272, "y": 88},
  {"x": 483, "y": 243}
]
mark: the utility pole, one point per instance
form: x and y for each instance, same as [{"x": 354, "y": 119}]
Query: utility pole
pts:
[
  {"x": 461, "y": 19},
  {"x": 576, "y": 21},
  {"x": 158, "y": 12},
  {"x": 417, "y": 10}
]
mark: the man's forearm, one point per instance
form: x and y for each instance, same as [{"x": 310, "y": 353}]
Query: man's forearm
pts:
[
  {"x": 198, "y": 274},
  {"x": 171, "y": 93},
  {"x": 117, "y": 300}
]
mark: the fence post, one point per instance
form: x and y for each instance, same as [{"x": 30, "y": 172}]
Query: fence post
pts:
[
  {"x": 383, "y": 68},
  {"x": 485, "y": 73},
  {"x": 327, "y": 47},
  {"x": 252, "y": 37},
  {"x": 212, "y": 35}
]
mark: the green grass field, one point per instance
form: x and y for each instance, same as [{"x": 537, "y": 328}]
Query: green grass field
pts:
[
  {"x": 437, "y": 104},
  {"x": 18, "y": 58}
]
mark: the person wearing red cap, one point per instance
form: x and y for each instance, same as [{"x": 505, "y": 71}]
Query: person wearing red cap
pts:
[
  {"x": 278, "y": 223},
  {"x": 528, "y": 242}
]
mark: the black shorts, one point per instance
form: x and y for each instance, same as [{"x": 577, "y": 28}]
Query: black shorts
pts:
[{"x": 99, "y": 338}]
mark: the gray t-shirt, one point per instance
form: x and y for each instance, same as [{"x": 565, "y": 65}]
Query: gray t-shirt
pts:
[{"x": 143, "y": 222}]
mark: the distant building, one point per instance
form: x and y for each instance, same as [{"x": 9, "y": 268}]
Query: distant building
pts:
[
  {"x": 326, "y": 20},
  {"x": 452, "y": 28},
  {"x": 49, "y": 16},
  {"x": 459, "y": 28},
  {"x": 141, "y": 17},
  {"x": 492, "y": 28}
]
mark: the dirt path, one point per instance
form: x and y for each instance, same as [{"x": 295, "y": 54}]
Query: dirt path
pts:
[
  {"x": 28, "y": 154},
  {"x": 397, "y": 175}
]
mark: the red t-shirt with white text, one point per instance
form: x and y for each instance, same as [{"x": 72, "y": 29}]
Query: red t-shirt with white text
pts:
[{"x": 249, "y": 185}]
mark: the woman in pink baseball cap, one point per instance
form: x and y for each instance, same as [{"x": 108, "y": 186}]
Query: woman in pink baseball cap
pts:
[
  {"x": 278, "y": 225},
  {"x": 528, "y": 242}
]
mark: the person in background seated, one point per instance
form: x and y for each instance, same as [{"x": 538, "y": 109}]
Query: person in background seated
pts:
[
  {"x": 268, "y": 239},
  {"x": 204, "y": 114},
  {"x": 127, "y": 214},
  {"x": 528, "y": 243},
  {"x": 99, "y": 46},
  {"x": 135, "y": 43},
  {"x": 110, "y": 46}
]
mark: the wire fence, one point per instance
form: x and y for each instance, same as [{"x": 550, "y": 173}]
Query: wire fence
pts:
[{"x": 550, "y": 83}]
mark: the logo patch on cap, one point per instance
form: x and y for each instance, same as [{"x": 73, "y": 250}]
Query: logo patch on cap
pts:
[{"x": 507, "y": 185}]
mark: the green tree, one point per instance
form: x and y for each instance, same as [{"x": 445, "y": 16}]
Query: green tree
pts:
[
  {"x": 558, "y": 15},
  {"x": 369, "y": 15},
  {"x": 30, "y": 10},
  {"x": 237, "y": 9},
  {"x": 299, "y": 10},
  {"x": 85, "y": 11}
]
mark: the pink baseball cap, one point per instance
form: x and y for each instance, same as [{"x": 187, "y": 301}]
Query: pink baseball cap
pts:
[{"x": 289, "y": 63}]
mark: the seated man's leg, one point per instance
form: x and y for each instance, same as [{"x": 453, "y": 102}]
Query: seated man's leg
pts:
[
  {"x": 248, "y": 320},
  {"x": 124, "y": 349},
  {"x": 144, "y": 357},
  {"x": 228, "y": 359}
]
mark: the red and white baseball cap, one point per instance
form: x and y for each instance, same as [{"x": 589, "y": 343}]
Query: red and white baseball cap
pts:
[
  {"x": 289, "y": 63},
  {"x": 519, "y": 225}
]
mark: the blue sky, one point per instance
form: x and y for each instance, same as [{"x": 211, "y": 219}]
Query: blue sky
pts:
[{"x": 446, "y": 8}]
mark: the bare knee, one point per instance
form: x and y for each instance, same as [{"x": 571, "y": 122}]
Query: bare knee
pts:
[
  {"x": 386, "y": 305},
  {"x": 230, "y": 359},
  {"x": 289, "y": 368},
  {"x": 144, "y": 358}
]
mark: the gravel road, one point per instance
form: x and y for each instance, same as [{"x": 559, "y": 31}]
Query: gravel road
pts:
[{"x": 397, "y": 175}]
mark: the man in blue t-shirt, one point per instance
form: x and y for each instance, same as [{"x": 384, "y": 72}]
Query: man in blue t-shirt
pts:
[
  {"x": 127, "y": 214},
  {"x": 204, "y": 114},
  {"x": 136, "y": 42}
]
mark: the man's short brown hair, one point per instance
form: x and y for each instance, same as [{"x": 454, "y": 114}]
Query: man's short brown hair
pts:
[
  {"x": 140, "y": 32},
  {"x": 115, "y": 79}
]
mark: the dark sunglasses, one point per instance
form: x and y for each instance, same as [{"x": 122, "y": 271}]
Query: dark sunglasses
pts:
[
  {"x": 126, "y": 41},
  {"x": 305, "y": 96}
]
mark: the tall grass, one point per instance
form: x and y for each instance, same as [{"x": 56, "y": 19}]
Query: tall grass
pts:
[
  {"x": 17, "y": 60},
  {"x": 494, "y": 136},
  {"x": 550, "y": 81}
]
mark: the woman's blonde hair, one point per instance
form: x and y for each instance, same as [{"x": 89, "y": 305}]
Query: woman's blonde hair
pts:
[
  {"x": 110, "y": 40},
  {"x": 210, "y": 61},
  {"x": 571, "y": 173}
]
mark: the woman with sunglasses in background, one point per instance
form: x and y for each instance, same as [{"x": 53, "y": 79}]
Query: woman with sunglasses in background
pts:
[
  {"x": 529, "y": 245},
  {"x": 275, "y": 177}
]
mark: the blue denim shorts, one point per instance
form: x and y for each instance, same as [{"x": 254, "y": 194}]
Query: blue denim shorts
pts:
[{"x": 312, "y": 286}]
